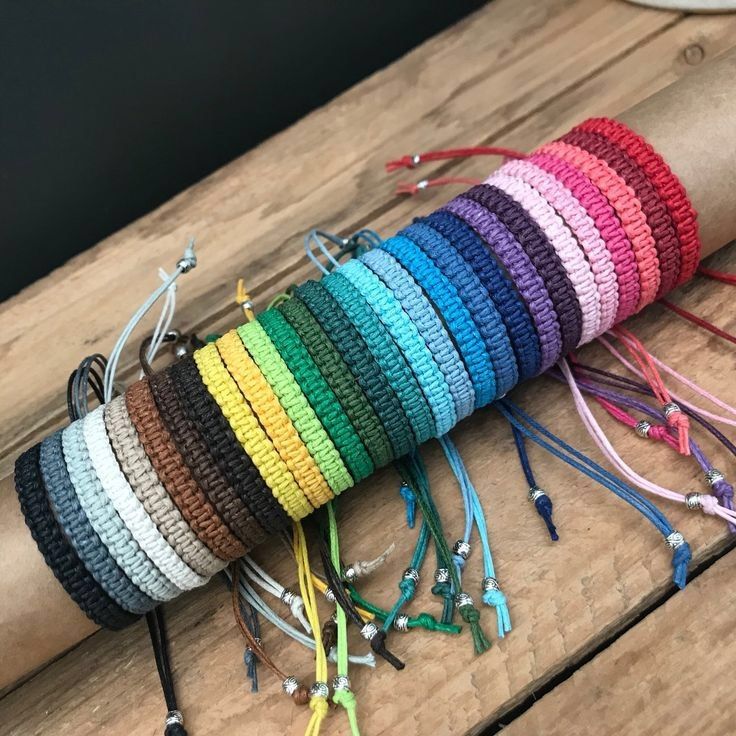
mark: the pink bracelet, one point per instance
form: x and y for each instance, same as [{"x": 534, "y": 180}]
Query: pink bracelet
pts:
[
  {"x": 565, "y": 245},
  {"x": 607, "y": 224},
  {"x": 584, "y": 229},
  {"x": 627, "y": 207}
]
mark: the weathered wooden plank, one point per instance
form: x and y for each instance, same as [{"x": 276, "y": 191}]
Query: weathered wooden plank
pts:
[
  {"x": 505, "y": 63},
  {"x": 565, "y": 598},
  {"x": 670, "y": 673}
]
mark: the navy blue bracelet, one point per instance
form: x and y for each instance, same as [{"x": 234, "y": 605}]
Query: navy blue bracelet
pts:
[
  {"x": 471, "y": 291},
  {"x": 501, "y": 289}
]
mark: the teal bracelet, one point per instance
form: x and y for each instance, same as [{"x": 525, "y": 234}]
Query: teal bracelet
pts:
[
  {"x": 386, "y": 353},
  {"x": 407, "y": 337},
  {"x": 430, "y": 326}
]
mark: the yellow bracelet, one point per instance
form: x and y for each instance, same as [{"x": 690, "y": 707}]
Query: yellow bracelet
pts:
[
  {"x": 273, "y": 418},
  {"x": 251, "y": 436},
  {"x": 298, "y": 408}
]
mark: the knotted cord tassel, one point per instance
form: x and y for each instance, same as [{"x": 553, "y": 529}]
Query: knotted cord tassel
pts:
[
  {"x": 363, "y": 568},
  {"x": 542, "y": 502},
  {"x": 410, "y": 500},
  {"x": 674, "y": 415}
]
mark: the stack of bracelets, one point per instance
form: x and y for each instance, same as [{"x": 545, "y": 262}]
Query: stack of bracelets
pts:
[{"x": 156, "y": 491}]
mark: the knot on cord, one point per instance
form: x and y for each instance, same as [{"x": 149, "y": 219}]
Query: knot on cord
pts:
[
  {"x": 378, "y": 645},
  {"x": 497, "y": 599},
  {"x": 680, "y": 423}
]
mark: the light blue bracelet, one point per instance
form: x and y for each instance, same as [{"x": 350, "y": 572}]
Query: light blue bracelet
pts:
[
  {"x": 410, "y": 342},
  {"x": 430, "y": 326},
  {"x": 442, "y": 293},
  {"x": 105, "y": 520},
  {"x": 387, "y": 354}
]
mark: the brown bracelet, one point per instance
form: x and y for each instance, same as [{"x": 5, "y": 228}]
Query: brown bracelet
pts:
[
  {"x": 151, "y": 493},
  {"x": 208, "y": 475},
  {"x": 175, "y": 475}
]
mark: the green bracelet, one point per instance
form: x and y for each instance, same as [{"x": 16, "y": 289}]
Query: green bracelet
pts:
[
  {"x": 367, "y": 372},
  {"x": 364, "y": 419},
  {"x": 318, "y": 392}
]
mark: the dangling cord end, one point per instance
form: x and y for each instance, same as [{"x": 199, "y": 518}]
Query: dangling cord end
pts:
[
  {"x": 407, "y": 187},
  {"x": 410, "y": 499},
  {"x": 722, "y": 490},
  {"x": 493, "y": 596},
  {"x": 471, "y": 616},
  {"x": 543, "y": 504},
  {"x": 251, "y": 668},
  {"x": 343, "y": 696},
  {"x": 378, "y": 645},
  {"x": 681, "y": 556},
  {"x": 243, "y": 300}
]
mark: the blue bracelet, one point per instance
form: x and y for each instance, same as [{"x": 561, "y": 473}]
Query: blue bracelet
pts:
[
  {"x": 443, "y": 294},
  {"x": 430, "y": 326},
  {"x": 501, "y": 289},
  {"x": 410, "y": 342},
  {"x": 71, "y": 517},
  {"x": 471, "y": 291},
  {"x": 386, "y": 353}
]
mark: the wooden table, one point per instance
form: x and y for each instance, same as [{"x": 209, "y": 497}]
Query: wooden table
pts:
[{"x": 600, "y": 645}]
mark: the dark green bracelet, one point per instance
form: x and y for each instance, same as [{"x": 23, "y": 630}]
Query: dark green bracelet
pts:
[
  {"x": 367, "y": 372},
  {"x": 320, "y": 396},
  {"x": 338, "y": 376}
]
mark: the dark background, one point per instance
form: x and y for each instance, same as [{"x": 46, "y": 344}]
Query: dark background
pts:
[{"x": 109, "y": 108}]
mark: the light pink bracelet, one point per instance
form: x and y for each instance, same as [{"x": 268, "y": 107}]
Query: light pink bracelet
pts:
[
  {"x": 607, "y": 224},
  {"x": 628, "y": 209},
  {"x": 565, "y": 245},
  {"x": 584, "y": 229}
]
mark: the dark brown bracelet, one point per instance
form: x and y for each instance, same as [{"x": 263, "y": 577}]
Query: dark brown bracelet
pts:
[
  {"x": 228, "y": 453},
  {"x": 155, "y": 436}
]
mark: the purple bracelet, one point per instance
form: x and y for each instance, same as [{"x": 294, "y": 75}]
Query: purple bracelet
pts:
[
  {"x": 515, "y": 260},
  {"x": 543, "y": 256}
]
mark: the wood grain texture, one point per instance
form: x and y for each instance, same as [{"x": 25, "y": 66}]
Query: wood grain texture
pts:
[
  {"x": 671, "y": 673},
  {"x": 515, "y": 73}
]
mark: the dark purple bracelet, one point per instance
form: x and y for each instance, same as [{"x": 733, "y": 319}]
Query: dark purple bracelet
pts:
[
  {"x": 514, "y": 259},
  {"x": 543, "y": 256}
]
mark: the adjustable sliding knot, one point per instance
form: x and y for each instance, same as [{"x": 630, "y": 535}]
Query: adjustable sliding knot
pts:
[
  {"x": 174, "y": 724},
  {"x": 405, "y": 162},
  {"x": 429, "y": 623},
  {"x": 543, "y": 504},
  {"x": 722, "y": 490},
  {"x": 295, "y": 604},
  {"x": 410, "y": 499},
  {"x": 678, "y": 421},
  {"x": 680, "y": 558}
]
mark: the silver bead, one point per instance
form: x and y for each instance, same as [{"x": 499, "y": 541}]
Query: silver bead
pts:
[
  {"x": 442, "y": 575},
  {"x": 290, "y": 685},
  {"x": 319, "y": 690},
  {"x": 350, "y": 574},
  {"x": 174, "y": 716},
  {"x": 714, "y": 476},
  {"x": 670, "y": 408},
  {"x": 642, "y": 428},
  {"x": 694, "y": 501},
  {"x": 674, "y": 540},
  {"x": 181, "y": 350},
  {"x": 423, "y": 184},
  {"x": 461, "y": 548},
  {"x": 369, "y": 630},
  {"x": 416, "y": 159},
  {"x": 340, "y": 682},
  {"x": 401, "y": 622},
  {"x": 287, "y": 597},
  {"x": 330, "y": 595},
  {"x": 535, "y": 492},
  {"x": 411, "y": 573},
  {"x": 463, "y": 599},
  {"x": 490, "y": 583}
]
